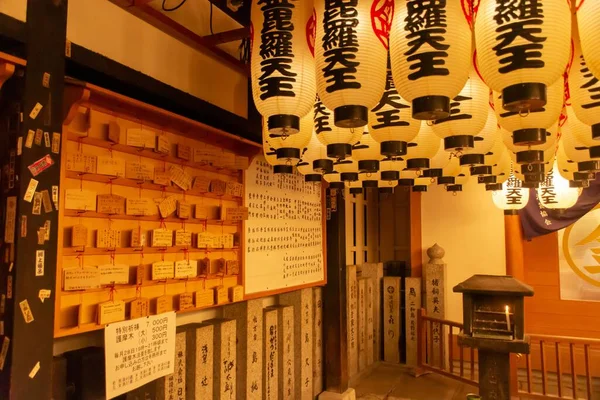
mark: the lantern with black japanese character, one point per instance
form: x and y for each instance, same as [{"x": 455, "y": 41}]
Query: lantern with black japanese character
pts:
[
  {"x": 523, "y": 47},
  {"x": 437, "y": 163},
  {"x": 483, "y": 144},
  {"x": 500, "y": 172},
  {"x": 334, "y": 180},
  {"x": 572, "y": 132},
  {"x": 391, "y": 122},
  {"x": 391, "y": 167},
  {"x": 555, "y": 192},
  {"x": 366, "y": 152},
  {"x": 290, "y": 147},
  {"x": 588, "y": 15},
  {"x": 421, "y": 184},
  {"x": 450, "y": 172},
  {"x": 584, "y": 89},
  {"x": 347, "y": 168},
  {"x": 339, "y": 141},
  {"x": 280, "y": 165},
  {"x": 459, "y": 181},
  {"x": 513, "y": 195},
  {"x": 423, "y": 147},
  {"x": 468, "y": 115},
  {"x": 314, "y": 153},
  {"x": 568, "y": 169},
  {"x": 387, "y": 186},
  {"x": 282, "y": 62},
  {"x": 430, "y": 48},
  {"x": 354, "y": 187},
  {"x": 350, "y": 52}
]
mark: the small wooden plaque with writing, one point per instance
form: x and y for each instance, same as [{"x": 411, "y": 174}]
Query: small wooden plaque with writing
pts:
[
  {"x": 234, "y": 213},
  {"x": 83, "y": 200},
  {"x": 117, "y": 274},
  {"x": 140, "y": 274},
  {"x": 139, "y": 307},
  {"x": 221, "y": 295},
  {"x": 111, "y": 204},
  {"x": 183, "y": 238},
  {"x": 184, "y": 209},
  {"x": 140, "y": 171},
  {"x": 114, "y": 132},
  {"x": 164, "y": 304},
  {"x": 140, "y": 137},
  {"x": 108, "y": 238},
  {"x": 143, "y": 206},
  {"x": 205, "y": 240},
  {"x": 186, "y": 301},
  {"x": 204, "y": 266},
  {"x": 163, "y": 145},
  {"x": 138, "y": 238},
  {"x": 236, "y": 293},
  {"x": 162, "y": 238},
  {"x": 205, "y": 297},
  {"x": 167, "y": 206},
  {"x": 79, "y": 162},
  {"x": 218, "y": 186},
  {"x": 201, "y": 184},
  {"x": 235, "y": 189},
  {"x": 180, "y": 178},
  {"x": 184, "y": 151},
  {"x": 111, "y": 166},
  {"x": 186, "y": 269},
  {"x": 232, "y": 267},
  {"x": 111, "y": 311},
  {"x": 162, "y": 178},
  {"x": 221, "y": 262},
  {"x": 162, "y": 270},
  {"x": 81, "y": 278}
]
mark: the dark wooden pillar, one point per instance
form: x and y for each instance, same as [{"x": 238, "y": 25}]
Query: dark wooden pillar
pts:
[
  {"x": 334, "y": 296},
  {"x": 29, "y": 322}
]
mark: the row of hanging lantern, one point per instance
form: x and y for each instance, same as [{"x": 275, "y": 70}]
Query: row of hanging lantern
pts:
[{"x": 384, "y": 93}]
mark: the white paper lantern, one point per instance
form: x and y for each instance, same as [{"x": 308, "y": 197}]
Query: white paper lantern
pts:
[
  {"x": 366, "y": 152},
  {"x": 531, "y": 154},
  {"x": 450, "y": 172},
  {"x": 498, "y": 149},
  {"x": 501, "y": 170},
  {"x": 334, "y": 180},
  {"x": 573, "y": 130},
  {"x": 391, "y": 167},
  {"x": 391, "y": 122},
  {"x": 407, "y": 177},
  {"x": 338, "y": 140},
  {"x": 290, "y": 147},
  {"x": 555, "y": 193},
  {"x": 438, "y": 162},
  {"x": 354, "y": 187},
  {"x": 280, "y": 165},
  {"x": 351, "y": 51},
  {"x": 282, "y": 62},
  {"x": 421, "y": 184},
  {"x": 387, "y": 186},
  {"x": 584, "y": 89},
  {"x": 513, "y": 195},
  {"x": 315, "y": 156},
  {"x": 423, "y": 147},
  {"x": 483, "y": 142},
  {"x": 430, "y": 48},
  {"x": 468, "y": 115},
  {"x": 348, "y": 169},
  {"x": 369, "y": 179},
  {"x": 588, "y": 15},
  {"x": 523, "y": 47},
  {"x": 528, "y": 128},
  {"x": 568, "y": 168}
]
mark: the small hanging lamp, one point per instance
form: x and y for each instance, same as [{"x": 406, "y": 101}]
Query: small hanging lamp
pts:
[
  {"x": 513, "y": 195},
  {"x": 339, "y": 141},
  {"x": 282, "y": 63},
  {"x": 391, "y": 122},
  {"x": 387, "y": 186},
  {"x": 430, "y": 49},
  {"x": 523, "y": 47},
  {"x": 351, "y": 51},
  {"x": 468, "y": 115}
]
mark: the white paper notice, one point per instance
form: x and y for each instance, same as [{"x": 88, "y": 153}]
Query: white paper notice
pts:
[{"x": 127, "y": 345}]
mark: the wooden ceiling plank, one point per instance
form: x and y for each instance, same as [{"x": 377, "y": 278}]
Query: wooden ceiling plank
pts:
[{"x": 227, "y": 36}]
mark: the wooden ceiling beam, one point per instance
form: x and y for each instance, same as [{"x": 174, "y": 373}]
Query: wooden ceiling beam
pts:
[
  {"x": 162, "y": 22},
  {"x": 241, "y": 15},
  {"x": 227, "y": 36}
]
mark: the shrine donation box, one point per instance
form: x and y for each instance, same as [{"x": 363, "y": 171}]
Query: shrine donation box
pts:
[{"x": 494, "y": 321}]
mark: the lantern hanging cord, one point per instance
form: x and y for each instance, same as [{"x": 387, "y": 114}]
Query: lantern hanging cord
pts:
[{"x": 169, "y": 9}]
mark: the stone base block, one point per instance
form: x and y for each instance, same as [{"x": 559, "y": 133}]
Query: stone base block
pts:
[{"x": 349, "y": 394}]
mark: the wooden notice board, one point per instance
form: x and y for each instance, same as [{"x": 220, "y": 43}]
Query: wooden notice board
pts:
[{"x": 284, "y": 233}]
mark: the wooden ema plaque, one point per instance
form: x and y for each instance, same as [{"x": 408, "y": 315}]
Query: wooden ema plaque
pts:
[
  {"x": 184, "y": 152},
  {"x": 111, "y": 311},
  {"x": 108, "y": 238},
  {"x": 234, "y": 213},
  {"x": 183, "y": 238},
  {"x": 236, "y": 293},
  {"x": 81, "y": 278},
  {"x": 138, "y": 308},
  {"x": 221, "y": 266},
  {"x": 162, "y": 238},
  {"x": 204, "y": 266},
  {"x": 79, "y": 235},
  {"x": 218, "y": 187},
  {"x": 184, "y": 209},
  {"x": 167, "y": 206},
  {"x": 111, "y": 166},
  {"x": 163, "y": 270},
  {"x": 81, "y": 200},
  {"x": 232, "y": 267},
  {"x": 164, "y": 304},
  {"x": 110, "y": 204},
  {"x": 186, "y": 301},
  {"x": 163, "y": 145},
  {"x": 139, "y": 171},
  {"x": 234, "y": 189},
  {"x": 162, "y": 178},
  {"x": 186, "y": 269},
  {"x": 221, "y": 295},
  {"x": 180, "y": 178},
  {"x": 138, "y": 238},
  {"x": 206, "y": 212},
  {"x": 79, "y": 162},
  {"x": 205, "y": 297},
  {"x": 140, "y": 137},
  {"x": 117, "y": 274},
  {"x": 141, "y": 207}
]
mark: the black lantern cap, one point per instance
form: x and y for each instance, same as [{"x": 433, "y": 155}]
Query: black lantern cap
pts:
[
  {"x": 419, "y": 188},
  {"x": 532, "y": 169},
  {"x": 417, "y": 163},
  {"x": 521, "y": 97},
  {"x": 288, "y": 152},
  {"x": 493, "y": 186},
  {"x": 312, "y": 178},
  {"x": 283, "y": 124},
  {"x": 368, "y": 166},
  {"x": 390, "y": 175},
  {"x": 406, "y": 182},
  {"x": 432, "y": 173},
  {"x": 579, "y": 184},
  {"x": 534, "y": 178},
  {"x": 446, "y": 180},
  {"x": 530, "y": 157},
  {"x": 594, "y": 151},
  {"x": 356, "y": 190},
  {"x": 336, "y": 185},
  {"x": 530, "y": 185},
  {"x": 481, "y": 170},
  {"x": 431, "y": 107},
  {"x": 283, "y": 169},
  {"x": 324, "y": 164},
  {"x": 596, "y": 131},
  {"x": 351, "y": 116},
  {"x": 472, "y": 159},
  {"x": 454, "y": 188},
  {"x": 393, "y": 148},
  {"x": 584, "y": 176},
  {"x": 339, "y": 150},
  {"x": 459, "y": 142},
  {"x": 369, "y": 184},
  {"x": 349, "y": 176},
  {"x": 486, "y": 179},
  {"x": 588, "y": 166},
  {"x": 529, "y": 137},
  {"x": 388, "y": 190}
]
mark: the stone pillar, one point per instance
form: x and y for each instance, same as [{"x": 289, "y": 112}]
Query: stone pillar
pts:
[
  {"x": 352, "y": 311},
  {"x": 200, "y": 360},
  {"x": 301, "y": 300},
  {"x": 434, "y": 278},
  {"x": 412, "y": 295},
  {"x": 285, "y": 360},
  {"x": 370, "y": 300},
  {"x": 391, "y": 319},
  {"x": 173, "y": 386},
  {"x": 224, "y": 363},
  {"x": 270, "y": 355},
  {"x": 249, "y": 318},
  {"x": 375, "y": 272},
  {"x": 362, "y": 325},
  {"x": 317, "y": 341}
]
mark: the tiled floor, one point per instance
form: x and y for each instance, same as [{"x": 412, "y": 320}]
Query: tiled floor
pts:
[{"x": 392, "y": 382}]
